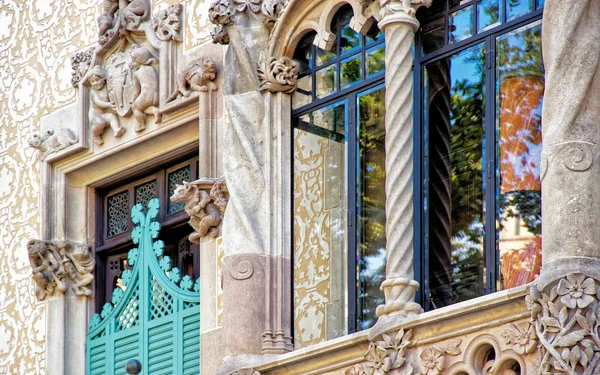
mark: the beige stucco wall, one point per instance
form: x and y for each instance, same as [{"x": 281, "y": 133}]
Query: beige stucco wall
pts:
[{"x": 37, "y": 39}]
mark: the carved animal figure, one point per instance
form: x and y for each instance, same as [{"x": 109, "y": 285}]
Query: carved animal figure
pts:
[
  {"x": 134, "y": 13},
  {"x": 204, "y": 215},
  {"x": 145, "y": 79},
  {"x": 220, "y": 194},
  {"x": 48, "y": 270},
  {"x": 101, "y": 113},
  {"x": 198, "y": 76},
  {"x": 79, "y": 265},
  {"x": 106, "y": 20},
  {"x": 52, "y": 141}
]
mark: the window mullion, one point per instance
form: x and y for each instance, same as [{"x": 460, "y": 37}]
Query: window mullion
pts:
[{"x": 352, "y": 146}]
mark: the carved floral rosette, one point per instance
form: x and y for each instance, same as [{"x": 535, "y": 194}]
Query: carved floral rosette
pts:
[
  {"x": 566, "y": 318},
  {"x": 278, "y": 75}
]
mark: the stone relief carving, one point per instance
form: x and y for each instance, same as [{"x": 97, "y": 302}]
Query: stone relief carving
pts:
[
  {"x": 80, "y": 64},
  {"x": 205, "y": 216},
  {"x": 58, "y": 266},
  {"x": 133, "y": 14},
  {"x": 52, "y": 140},
  {"x": 199, "y": 75},
  {"x": 521, "y": 336},
  {"x": 167, "y": 24},
  {"x": 222, "y": 12},
  {"x": 220, "y": 194},
  {"x": 566, "y": 317},
  {"x": 145, "y": 87},
  {"x": 432, "y": 359},
  {"x": 388, "y": 354},
  {"x": 102, "y": 111},
  {"x": 106, "y": 21},
  {"x": 278, "y": 75}
]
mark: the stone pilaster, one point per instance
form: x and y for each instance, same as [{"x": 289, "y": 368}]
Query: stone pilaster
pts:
[{"x": 399, "y": 25}]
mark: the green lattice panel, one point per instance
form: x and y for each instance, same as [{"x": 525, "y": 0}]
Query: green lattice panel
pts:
[{"x": 153, "y": 319}]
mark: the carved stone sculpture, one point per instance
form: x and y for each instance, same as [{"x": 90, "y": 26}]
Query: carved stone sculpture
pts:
[
  {"x": 145, "y": 95},
  {"x": 388, "y": 354},
  {"x": 278, "y": 75},
  {"x": 102, "y": 110},
  {"x": 58, "y": 266},
  {"x": 205, "y": 217},
  {"x": 134, "y": 13},
  {"x": 220, "y": 195},
  {"x": 52, "y": 140},
  {"x": 106, "y": 21},
  {"x": 167, "y": 25},
  {"x": 197, "y": 76},
  {"x": 566, "y": 317},
  {"x": 80, "y": 64},
  {"x": 245, "y": 371},
  {"x": 221, "y": 14}
]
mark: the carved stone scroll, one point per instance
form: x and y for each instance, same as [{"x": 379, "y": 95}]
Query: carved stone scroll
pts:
[
  {"x": 59, "y": 266},
  {"x": 52, "y": 140},
  {"x": 205, "y": 215},
  {"x": 167, "y": 23},
  {"x": 278, "y": 75},
  {"x": 80, "y": 64}
]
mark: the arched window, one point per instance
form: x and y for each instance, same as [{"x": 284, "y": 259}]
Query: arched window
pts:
[
  {"x": 339, "y": 177},
  {"x": 481, "y": 85}
]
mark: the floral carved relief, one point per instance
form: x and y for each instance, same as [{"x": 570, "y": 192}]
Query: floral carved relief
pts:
[
  {"x": 432, "y": 359},
  {"x": 566, "y": 317},
  {"x": 167, "y": 24},
  {"x": 278, "y": 75},
  {"x": 388, "y": 354},
  {"x": 80, "y": 64}
]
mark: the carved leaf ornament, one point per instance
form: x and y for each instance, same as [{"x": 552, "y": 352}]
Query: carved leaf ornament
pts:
[
  {"x": 567, "y": 323},
  {"x": 388, "y": 354},
  {"x": 278, "y": 75}
]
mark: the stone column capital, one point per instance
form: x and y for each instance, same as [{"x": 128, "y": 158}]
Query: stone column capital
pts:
[{"x": 397, "y": 12}]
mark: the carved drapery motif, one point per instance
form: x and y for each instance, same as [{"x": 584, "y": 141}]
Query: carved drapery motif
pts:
[
  {"x": 566, "y": 317},
  {"x": 167, "y": 23},
  {"x": 52, "y": 140},
  {"x": 59, "y": 266},
  {"x": 222, "y": 12},
  {"x": 199, "y": 75},
  {"x": 205, "y": 215},
  {"x": 278, "y": 75},
  {"x": 80, "y": 64}
]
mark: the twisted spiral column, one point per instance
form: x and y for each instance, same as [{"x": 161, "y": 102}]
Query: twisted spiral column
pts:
[{"x": 399, "y": 25}]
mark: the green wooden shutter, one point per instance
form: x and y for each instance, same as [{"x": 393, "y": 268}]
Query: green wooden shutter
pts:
[{"x": 155, "y": 320}]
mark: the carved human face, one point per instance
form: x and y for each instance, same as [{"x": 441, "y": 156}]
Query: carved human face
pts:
[{"x": 97, "y": 82}]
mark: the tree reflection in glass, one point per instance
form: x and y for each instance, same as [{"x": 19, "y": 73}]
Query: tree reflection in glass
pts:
[
  {"x": 371, "y": 204},
  {"x": 455, "y": 193},
  {"x": 520, "y": 80}
]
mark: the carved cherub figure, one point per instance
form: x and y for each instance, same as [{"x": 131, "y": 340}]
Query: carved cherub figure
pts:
[
  {"x": 145, "y": 79},
  {"x": 134, "y": 13},
  {"x": 198, "y": 76},
  {"x": 48, "y": 270},
  {"x": 101, "y": 114},
  {"x": 204, "y": 215},
  {"x": 51, "y": 141}
]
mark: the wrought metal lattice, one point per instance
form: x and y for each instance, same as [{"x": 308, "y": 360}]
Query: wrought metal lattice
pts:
[
  {"x": 177, "y": 177},
  {"x": 117, "y": 221},
  {"x": 154, "y": 317},
  {"x": 145, "y": 192}
]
